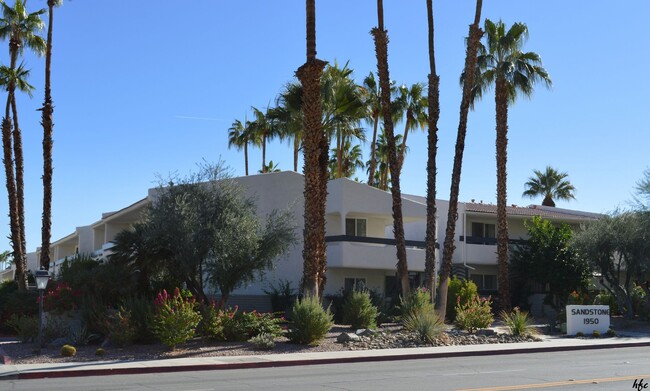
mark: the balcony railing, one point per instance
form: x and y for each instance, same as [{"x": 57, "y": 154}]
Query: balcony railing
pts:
[
  {"x": 488, "y": 241},
  {"x": 371, "y": 240}
]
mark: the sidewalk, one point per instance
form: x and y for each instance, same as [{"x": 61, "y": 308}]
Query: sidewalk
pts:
[{"x": 549, "y": 344}]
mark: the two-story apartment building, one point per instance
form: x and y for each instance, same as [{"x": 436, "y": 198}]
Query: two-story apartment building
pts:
[{"x": 360, "y": 244}]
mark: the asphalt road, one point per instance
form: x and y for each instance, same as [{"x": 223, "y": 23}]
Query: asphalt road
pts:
[{"x": 606, "y": 369}]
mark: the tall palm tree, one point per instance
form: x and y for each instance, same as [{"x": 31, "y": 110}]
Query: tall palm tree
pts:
[
  {"x": 473, "y": 42},
  {"x": 48, "y": 125},
  {"x": 551, "y": 184},
  {"x": 289, "y": 118},
  {"x": 264, "y": 128},
  {"x": 316, "y": 153},
  {"x": 382, "y": 174},
  {"x": 236, "y": 139},
  {"x": 21, "y": 29},
  {"x": 415, "y": 114},
  {"x": 502, "y": 63},
  {"x": 381, "y": 48},
  {"x": 433, "y": 106},
  {"x": 12, "y": 79},
  {"x": 352, "y": 159}
]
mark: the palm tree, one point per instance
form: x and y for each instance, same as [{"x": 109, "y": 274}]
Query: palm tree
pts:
[
  {"x": 551, "y": 184},
  {"x": 381, "y": 48},
  {"x": 382, "y": 174},
  {"x": 316, "y": 151},
  {"x": 240, "y": 135},
  {"x": 48, "y": 124},
  {"x": 415, "y": 116},
  {"x": 352, "y": 160},
  {"x": 271, "y": 167},
  {"x": 433, "y": 105},
  {"x": 502, "y": 63},
  {"x": 264, "y": 128},
  {"x": 21, "y": 29},
  {"x": 289, "y": 118},
  {"x": 12, "y": 79},
  {"x": 473, "y": 42}
]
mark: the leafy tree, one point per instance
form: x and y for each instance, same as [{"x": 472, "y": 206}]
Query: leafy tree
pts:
[
  {"x": 548, "y": 258},
  {"x": 380, "y": 36},
  {"x": 551, "y": 184},
  {"x": 617, "y": 247},
  {"x": 502, "y": 63},
  {"x": 21, "y": 28},
  {"x": 475, "y": 34},
  {"x": 316, "y": 151},
  {"x": 48, "y": 125},
  {"x": 205, "y": 225}
]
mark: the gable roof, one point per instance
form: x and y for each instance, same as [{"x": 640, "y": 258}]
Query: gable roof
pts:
[{"x": 546, "y": 212}]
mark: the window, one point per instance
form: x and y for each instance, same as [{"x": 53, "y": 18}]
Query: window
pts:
[
  {"x": 355, "y": 283},
  {"x": 355, "y": 227},
  {"x": 483, "y": 230},
  {"x": 485, "y": 282}
]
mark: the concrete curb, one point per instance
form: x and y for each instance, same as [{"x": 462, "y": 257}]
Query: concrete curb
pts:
[{"x": 42, "y": 374}]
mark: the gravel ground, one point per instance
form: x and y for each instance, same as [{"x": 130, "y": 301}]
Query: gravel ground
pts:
[{"x": 389, "y": 336}]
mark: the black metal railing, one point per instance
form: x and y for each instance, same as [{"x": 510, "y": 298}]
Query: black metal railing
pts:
[
  {"x": 368, "y": 239},
  {"x": 488, "y": 241}
]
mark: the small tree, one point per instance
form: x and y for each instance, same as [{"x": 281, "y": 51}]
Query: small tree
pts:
[{"x": 547, "y": 257}]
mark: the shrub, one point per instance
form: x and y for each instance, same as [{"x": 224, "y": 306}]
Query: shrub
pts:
[
  {"x": 477, "y": 314},
  {"x": 61, "y": 299},
  {"x": 25, "y": 326},
  {"x": 359, "y": 312},
  {"x": 120, "y": 330},
  {"x": 459, "y": 291},
  {"x": 281, "y": 296},
  {"x": 141, "y": 314},
  {"x": 175, "y": 319},
  {"x": 311, "y": 322},
  {"x": 518, "y": 322},
  {"x": 13, "y": 302},
  {"x": 68, "y": 351},
  {"x": 233, "y": 325},
  {"x": 263, "y": 341},
  {"x": 611, "y": 332},
  {"x": 55, "y": 327},
  {"x": 606, "y": 298},
  {"x": 93, "y": 313},
  {"x": 596, "y": 334},
  {"x": 580, "y": 334},
  {"x": 425, "y": 324},
  {"x": 416, "y": 302},
  {"x": 81, "y": 336}
]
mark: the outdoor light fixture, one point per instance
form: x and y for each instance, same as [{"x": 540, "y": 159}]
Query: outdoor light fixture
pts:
[{"x": 42, "y": 277}]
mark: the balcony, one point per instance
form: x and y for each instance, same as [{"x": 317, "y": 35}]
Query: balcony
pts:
[
  {"x": 360, "y": 252},
  {"x": 482, "y": 251}
]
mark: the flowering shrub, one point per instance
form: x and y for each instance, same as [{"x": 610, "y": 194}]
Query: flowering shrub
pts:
[
  {"x": 475, "y": 314},
  {"x": 233, "y": 325},
  {"x": 119, "y": 327},
  {"x": 175, "y": 318},
  {"x": 61, "y": 299}
]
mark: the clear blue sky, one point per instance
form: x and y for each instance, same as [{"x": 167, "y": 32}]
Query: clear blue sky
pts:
[{"x": 152, "y": 87}]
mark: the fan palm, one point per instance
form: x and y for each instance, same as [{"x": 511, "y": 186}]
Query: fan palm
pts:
[
  {"x": 414, "y": 108},
  {"x": 240, "y": 135},
  {"x": 48, "y": 125},
  {"x": 551, "y": 184},
  {"x": 502, "y": 63},
  {"x": 264, "y": 128}
]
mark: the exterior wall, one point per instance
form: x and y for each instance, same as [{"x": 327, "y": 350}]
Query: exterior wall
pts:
[
  {"x": 371, "y": 256},
  {"x": 375, "y": 279}
]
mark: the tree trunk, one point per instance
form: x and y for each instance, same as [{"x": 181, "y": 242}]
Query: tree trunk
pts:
[
  {"x": 475, "y": 35},
  {"x": 309, "y": 75},
  {"x": 373, "y": 162},
  {"x": 264, "y": 152},
  {"x": 48, "y": 125},
  {"x": 548, "y": 201},
  {"x": 246, "y": 157},
  {"x": 296, "y": 150},
  {"x": 501, "y": 100},
  {"x": 432, "y": 141},
  {"x": 406, "y": 134},
  {"x": 20, "y": 184},
  {"x": 339, "y": 154},
  {"x": 381, "y": 47}
]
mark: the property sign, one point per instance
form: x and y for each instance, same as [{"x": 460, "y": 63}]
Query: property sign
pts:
[{"x": 587, "y": 319}]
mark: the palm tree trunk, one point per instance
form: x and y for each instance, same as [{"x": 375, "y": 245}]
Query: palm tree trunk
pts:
[
  {"x": 432, "y": 141},
  {"x": 296, "y": 150},
  {"x": 48, "y": 125},
  {"x": 373, "y": 146},
  {"x": 246, "y": 157},
  {"x": 381, "y": 47},
  {"x": 475, "y": 35},
  {"x": 20, "y": 183},
  {"x": 339, "y": 153},
  {"x": 264, "y": 152},
  {"x": 309, "y": 75},
  {"x": 406, "y": 134},
  {"x": 501, "y": 101}
]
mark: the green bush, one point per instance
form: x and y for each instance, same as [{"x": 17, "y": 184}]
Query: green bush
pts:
[
  {"x": 425, "y": 324},
  {"x": 459, "y": 291},
  {"x": 233, "y": 325},
  {"x": 141, "y": 314},
  {"x": 120, "y": 330},
  {"x": 359, "y": 312},
  {"x": 518, "y": 322},
  {"x": 56, "y": 327},
  {"x": 13, "y": 302},
  {"x": 93, "y": 313},
  {"x": 416, "y": 302},
  {"x": 477, "y": 314},
  {"x": 100, "y": 352},
  {"x": 606, "y": 298},
  {"x": 68, "y": 351},
  {"x": 25, "y": 326},
  {"x": 311, "y": 322},
  {"x": 175, "y": 318},
  {"x": 595, "y": 334},
  {"x": 263, "y": 341}
]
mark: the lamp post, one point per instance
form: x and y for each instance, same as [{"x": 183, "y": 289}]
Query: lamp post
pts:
[{"x": 42, "y": 277}]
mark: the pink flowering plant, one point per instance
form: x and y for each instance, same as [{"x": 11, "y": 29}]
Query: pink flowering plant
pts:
[
  {"x": 175, "y": 317},
  {"x": 474, "y": 314},
  {"x": 61, "y": 299}
]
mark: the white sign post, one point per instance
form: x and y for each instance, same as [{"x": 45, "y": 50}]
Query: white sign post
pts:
[{"x": 587, "y": 319}]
